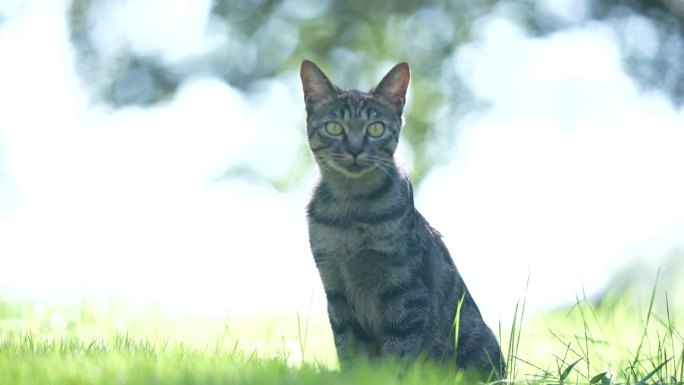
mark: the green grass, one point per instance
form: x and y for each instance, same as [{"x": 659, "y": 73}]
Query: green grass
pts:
[
  {"x": 615, "y": 343},
  {"x": 620, "y": 341}
]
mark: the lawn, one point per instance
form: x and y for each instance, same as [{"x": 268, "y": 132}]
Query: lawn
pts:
[{"x": 622, "y": 340}]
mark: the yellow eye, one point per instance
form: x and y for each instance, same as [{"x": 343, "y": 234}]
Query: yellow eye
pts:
[
  {"x": 334, "y": 128},
  {"x": 376, "y": 129}
]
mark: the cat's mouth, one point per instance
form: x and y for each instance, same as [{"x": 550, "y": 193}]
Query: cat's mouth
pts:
[
  {"x": 353, "y": 170},
  {"x": 355, "y": 167}
]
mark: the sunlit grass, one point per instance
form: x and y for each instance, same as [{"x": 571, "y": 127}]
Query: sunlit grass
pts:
[{"x": 620, "y": 341}]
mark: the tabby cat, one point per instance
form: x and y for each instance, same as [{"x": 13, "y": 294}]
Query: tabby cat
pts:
[{"x": 391, "y": 286}]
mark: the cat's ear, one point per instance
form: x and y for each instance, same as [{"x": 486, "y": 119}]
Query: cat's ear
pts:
[
  {"x": 392, "y": 88},
  {"x": 317, "y": 86}
]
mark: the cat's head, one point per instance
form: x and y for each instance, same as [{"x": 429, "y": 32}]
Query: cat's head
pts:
[{"x": 354, "y": 133}]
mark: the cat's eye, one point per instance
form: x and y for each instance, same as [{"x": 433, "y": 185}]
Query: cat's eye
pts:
[
  {"x": 334, "y": 128},
  {"x": 376, "y": 129}
]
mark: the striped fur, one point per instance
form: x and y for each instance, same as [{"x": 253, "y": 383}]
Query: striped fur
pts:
[{"x": 391, "y": 285}]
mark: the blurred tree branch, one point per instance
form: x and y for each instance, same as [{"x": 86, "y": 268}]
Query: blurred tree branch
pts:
[{"x": 356, "y": 39}]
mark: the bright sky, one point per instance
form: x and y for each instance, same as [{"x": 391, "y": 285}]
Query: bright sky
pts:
[{"x": 569, "y": 176}]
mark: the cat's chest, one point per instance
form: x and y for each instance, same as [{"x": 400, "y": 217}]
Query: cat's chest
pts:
[
  {"x": 358, "y": 257},
  {"x": 345, "y": 242},
  {"x": 355, "y": 243}
]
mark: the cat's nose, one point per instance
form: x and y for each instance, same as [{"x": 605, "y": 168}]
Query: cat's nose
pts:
[{"x": 354, "y": 146}]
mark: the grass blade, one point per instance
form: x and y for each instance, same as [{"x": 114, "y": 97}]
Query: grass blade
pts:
[
  {"x": 597, "y": 378},
  {"x": 567, "y": 371},
  {"x": 652, "y": 373},
  {"x": 457, "y": 321},
  {"x": 645, "y": 333}
]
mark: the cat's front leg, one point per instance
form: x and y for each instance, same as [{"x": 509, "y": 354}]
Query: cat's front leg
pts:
[
  {"x": 405, "y": 316},
  {"x": 352, "y": 342}
]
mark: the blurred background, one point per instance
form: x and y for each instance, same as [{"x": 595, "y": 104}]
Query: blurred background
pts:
[{"x": 154, "y": 151}]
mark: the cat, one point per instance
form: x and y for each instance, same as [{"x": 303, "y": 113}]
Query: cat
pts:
[{"x": 391, "y": 286}]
